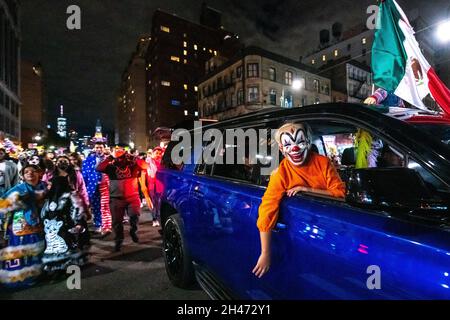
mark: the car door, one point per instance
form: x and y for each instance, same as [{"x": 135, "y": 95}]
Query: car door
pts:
[{"x": 226, "y": 200}]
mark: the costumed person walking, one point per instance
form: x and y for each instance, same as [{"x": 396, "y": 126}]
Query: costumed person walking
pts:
[
  {"x": 64, "y": 218},
  {"x": 123, "y": 171},
  {"x": 154, "y": 186},
  {"x": 7, "y": 144},
  {"x": 302, "y": 170},
  {"x": 97, "y": 185},
  {"x": 20, "y": 260},
  {"x": 9, "y": 175}
]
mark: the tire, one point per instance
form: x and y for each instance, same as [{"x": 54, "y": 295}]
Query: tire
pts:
[{"x": 177, "y": 259}]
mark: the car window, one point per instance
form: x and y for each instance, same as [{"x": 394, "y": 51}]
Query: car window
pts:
[
  {"x": 432, "y": 181},
  {"x": 167, "y": 161},
  {"x": 437, "y": 131},
  {"x": 247, "y": 165}
]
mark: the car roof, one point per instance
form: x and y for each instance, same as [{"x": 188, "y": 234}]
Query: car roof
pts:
[{"x": 418, "y": 115}]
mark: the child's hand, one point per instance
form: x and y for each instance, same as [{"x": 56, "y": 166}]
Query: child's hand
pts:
[
  {"x": 370, "y": 100},
  {"x": 292, "y": 192},
  {"x": 262, "y": 266}
]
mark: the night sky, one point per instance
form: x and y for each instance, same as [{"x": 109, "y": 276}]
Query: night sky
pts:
[{"x": 83, "y": 67}]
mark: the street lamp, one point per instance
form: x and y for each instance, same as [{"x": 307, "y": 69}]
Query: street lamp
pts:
[
  {"x": 296, "y": 84},
  {"x": 443, "y": 31}
]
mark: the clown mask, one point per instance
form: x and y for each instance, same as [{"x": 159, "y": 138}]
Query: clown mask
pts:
[{"x": 294, "y": 144}]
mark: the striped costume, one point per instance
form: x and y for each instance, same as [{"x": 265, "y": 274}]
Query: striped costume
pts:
[{"x": 97, "y": 185}]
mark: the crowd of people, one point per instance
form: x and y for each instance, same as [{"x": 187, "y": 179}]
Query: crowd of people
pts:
[{"x": 51, "y": 204}]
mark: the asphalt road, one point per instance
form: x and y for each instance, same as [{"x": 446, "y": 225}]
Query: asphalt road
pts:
[{"x": 137, "y": 272}]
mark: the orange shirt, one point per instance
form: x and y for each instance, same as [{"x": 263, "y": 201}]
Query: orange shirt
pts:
[{"x": 317, "y": 172}]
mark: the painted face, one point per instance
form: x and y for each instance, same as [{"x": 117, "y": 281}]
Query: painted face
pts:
[
  {"x": 295, "y": 146},
  {"x": 34, "y": 160}
]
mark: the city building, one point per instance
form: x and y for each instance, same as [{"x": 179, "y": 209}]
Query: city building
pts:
[
  {"x": 350, "y": 53},
  {"x": 351, "y": 80},
  {"x": 255, "y": 79},
  {"x": 355, "y": 43},
  {"x": 9, "y": 68},
  {"x": 33, "y": 110},
  {"x": 175, "y": 62},
  {"x": 62, "y": 124},
  {"x": 131, "y": 115}
]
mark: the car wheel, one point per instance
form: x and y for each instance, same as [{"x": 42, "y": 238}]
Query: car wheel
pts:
[{"x": 178, "y": 262}]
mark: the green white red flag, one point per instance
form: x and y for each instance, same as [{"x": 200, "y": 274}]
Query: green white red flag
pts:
[{"x": 398, "y": 63}]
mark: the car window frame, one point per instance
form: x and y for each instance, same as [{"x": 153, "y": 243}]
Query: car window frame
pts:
[{"x": 227, "y": 179}]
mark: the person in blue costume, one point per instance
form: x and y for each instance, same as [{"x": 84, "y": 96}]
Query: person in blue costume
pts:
[{"x": 20, "y": 259}]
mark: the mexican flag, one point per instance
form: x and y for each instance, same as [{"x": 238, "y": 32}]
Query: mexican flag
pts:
[{"x": 398, "y": 63}]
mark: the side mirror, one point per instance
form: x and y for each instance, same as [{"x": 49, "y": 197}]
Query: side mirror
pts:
[{"x": 395, "y": 188}]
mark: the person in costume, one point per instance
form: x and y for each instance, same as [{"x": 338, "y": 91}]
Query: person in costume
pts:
[
  {"x": 385, "y": 98},
  {"x": 154, "y": 186},
  {"x": 9, "y": 175},
  {"x": 21, "y": 258},
  {"x": 123, "y": 171},
  {"x": 97, "y": 185},
  {"x": 7, "y": 144},
  {"x": 302, "y": 170},
  {"x": 64, "y": 219}
]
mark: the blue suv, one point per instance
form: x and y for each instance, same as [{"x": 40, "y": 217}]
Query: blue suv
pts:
[{"x": 388, "y": 239}]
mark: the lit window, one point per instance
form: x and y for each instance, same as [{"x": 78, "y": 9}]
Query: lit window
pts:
[
  {"x": 210, "y": 51},
  {"x": 195, "y": 88},
  {"x": 184, "y": 44},
  {"x": 204, "y": 49},
  {"x": 288, "y": 75},
  {"x": 313, "y": 61},
  {"x": 174, "y": 58},
  {"x": 253, "y": 94},
  {"x": 196, "y": 113},
  {"x": 165, "y": 29},
  {"x": 185, "y": 61},
  {"x": 336, "y": 52},
  {"x": 195, "y": 47},
  {"x": 165, "y": 83},
  {"x": 215, "y": 52},
  {"x": 185, "y": 86},
  {"x": 252, "y": 70},
  {"x": 324, "y": 58},
  {"x": 186, "y": 112},
  {"x": 364, "y": 40},
  {"x": 185, "y": 52}
]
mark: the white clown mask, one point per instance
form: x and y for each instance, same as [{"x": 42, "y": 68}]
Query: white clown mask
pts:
[{"x": 294, "y": 142}]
